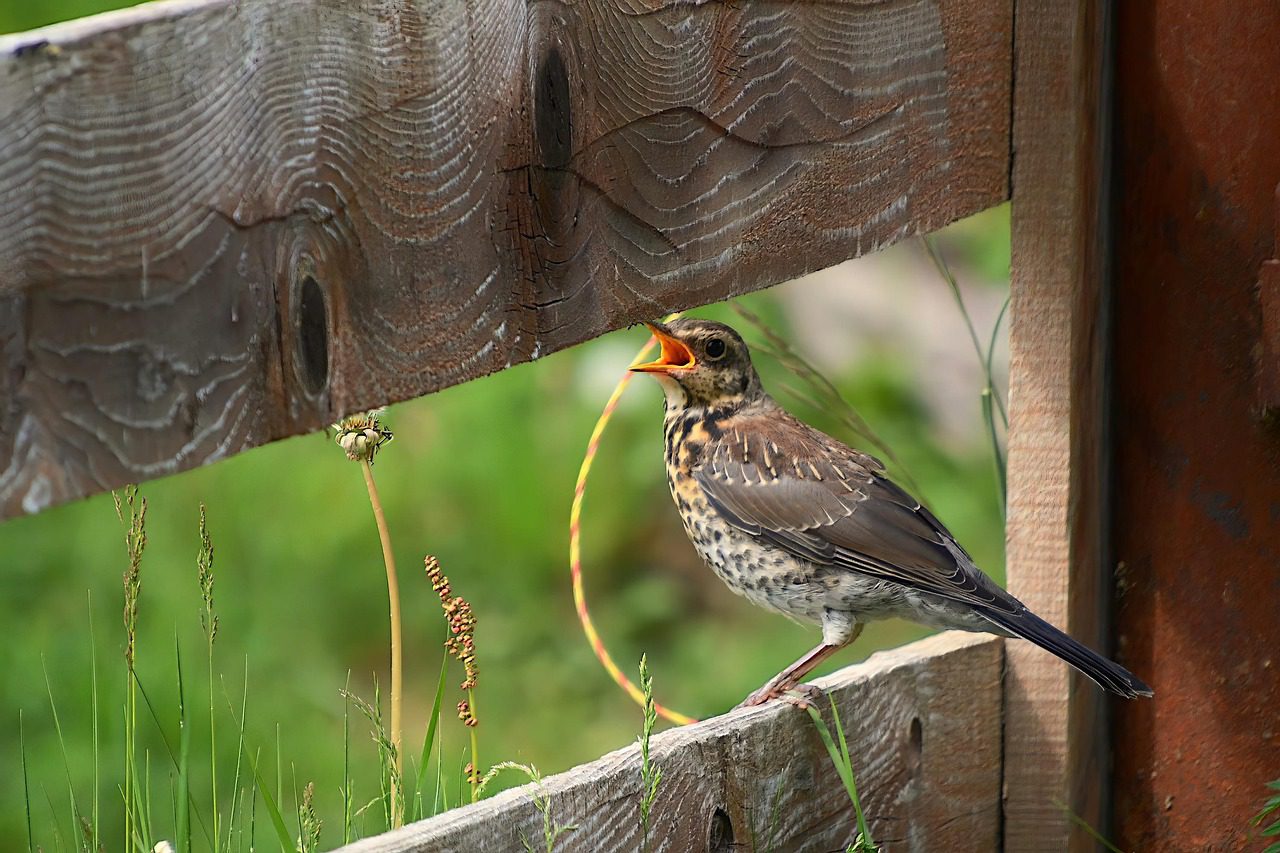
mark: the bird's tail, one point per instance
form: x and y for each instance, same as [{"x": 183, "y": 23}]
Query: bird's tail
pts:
[{"x": 1108, "y": 674}]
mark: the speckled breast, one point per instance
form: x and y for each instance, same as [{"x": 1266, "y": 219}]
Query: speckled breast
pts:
[{"x": 767, "y": 576}]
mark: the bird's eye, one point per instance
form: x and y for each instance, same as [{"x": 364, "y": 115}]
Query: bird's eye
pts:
[{"x": 715, "y": 348}]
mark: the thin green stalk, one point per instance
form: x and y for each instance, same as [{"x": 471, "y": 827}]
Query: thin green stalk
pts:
[
  {"x": 253, "y": 815},
  {"x": 26, "y": 787},
  {"x": 279, "y": 769},
  {"x": 991, "y": 349},
  {"x": 397, "y": 661},
  {"x": 182, "y": 833},
  {"x": 135, "y": 544},
  {"x": 983, "y": 358},
  {"x": 297, "y": 807},
  {"x": 823, "y": 394},
  {"x": 440, "y": 802},
  {"x": 386, "y": 750},
  {"x": 347, "y": 799},
  {"x": 144, "y": 802},
  {"x": 66, "y": 764},
  {"x": 169, "y": 753},
  {"x": 130, "y": 758},
  {"x": 945, "y": 272},
  {"x": 273, "y": 811},
  {"x": 475, "y": 747},
  {"x": 235, "y": 781},
  {"x": 992, "y": 403},
  {"x": 53, "y": 815},
  {"x": 93, "y": 710}
]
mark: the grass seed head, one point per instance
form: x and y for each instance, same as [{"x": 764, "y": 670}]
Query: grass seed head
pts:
[{"x": 461, "y": 642}]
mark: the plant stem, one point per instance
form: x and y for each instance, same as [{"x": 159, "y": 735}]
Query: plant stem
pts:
[
  {"x": 397, "y": 661},
  {"x": 475, "y": 748}
]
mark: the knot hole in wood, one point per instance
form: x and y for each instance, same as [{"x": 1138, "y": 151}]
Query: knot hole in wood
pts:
[
  {"x": 556, "y": 185},
  {"x": 553, "y": 112},
  {"x": 915, "y": 746},
  {"x": 311, "y": 327},
  {"x": 719, "y": 832}
]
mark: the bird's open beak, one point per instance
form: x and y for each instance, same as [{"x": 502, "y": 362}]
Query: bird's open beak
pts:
[{"x": 675, "y": 355}]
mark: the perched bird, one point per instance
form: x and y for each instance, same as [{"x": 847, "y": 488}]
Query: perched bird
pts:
[{"x": 800, "y": 523}]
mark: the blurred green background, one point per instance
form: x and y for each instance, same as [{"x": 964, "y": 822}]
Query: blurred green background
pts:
[{"x": 482, "y": 476}]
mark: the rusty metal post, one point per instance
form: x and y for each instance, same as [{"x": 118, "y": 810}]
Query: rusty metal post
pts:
[{"x": 1196, "y": 500}]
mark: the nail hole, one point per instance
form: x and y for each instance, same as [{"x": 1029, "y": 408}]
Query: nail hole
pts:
[
  {"x": 720, "y": 832},
  {"x": 313, "y": 337}
]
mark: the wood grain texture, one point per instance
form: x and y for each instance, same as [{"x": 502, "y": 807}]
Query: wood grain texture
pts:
[
  {"x": 1056, "y": 734},
  {"x": 923, "y": 726},
  {"x": 222, "y": 223}
]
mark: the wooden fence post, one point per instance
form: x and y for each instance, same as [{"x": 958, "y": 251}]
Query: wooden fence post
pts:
[{"x": 1056, "y": 739}]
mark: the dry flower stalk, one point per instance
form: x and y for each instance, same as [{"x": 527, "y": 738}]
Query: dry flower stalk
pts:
[{"x": 361, "y": 436}]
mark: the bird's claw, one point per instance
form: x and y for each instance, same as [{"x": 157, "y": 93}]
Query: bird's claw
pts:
[
  {"x": 800, "y": 695},
  {"x": 803, "y": 696}
]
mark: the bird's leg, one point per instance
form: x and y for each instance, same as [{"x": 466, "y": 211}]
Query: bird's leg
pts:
[{"x": 792, "y": 675}]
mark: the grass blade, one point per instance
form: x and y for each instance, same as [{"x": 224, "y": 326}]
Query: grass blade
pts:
[
  {"x": 183, "y": 805},
  {"x": 66, "y": 764},
  {"x": 991, "y": 349},
  {"x": 823, "y": 395},
  {"x": 273, "y": 811},
  {"x": 168, "y": 748},
  {"x": 429, "y": 741},
  {"x": 991, "y": 400},
  {"x": 844, "y": 768},
  {"x": 95, "y": 840},
  {"x": 863, "y": 829},
  {"x": 26, "y": 787},
  {"x": 235, "y": 781},
  {"x": 347, "y": 800}
]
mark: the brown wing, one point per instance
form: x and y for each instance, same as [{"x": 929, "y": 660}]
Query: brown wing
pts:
[{"x": 803, "y": 491}]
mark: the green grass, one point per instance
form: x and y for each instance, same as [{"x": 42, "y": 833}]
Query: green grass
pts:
[
  {"x": 1270, "y": 815},
  {"x": 838, "y": 751},
  {"x": 650, "y": 774},
  {"x": 552, "y": 829}
]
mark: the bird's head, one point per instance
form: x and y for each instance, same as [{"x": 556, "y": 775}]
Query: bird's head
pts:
[{"x": 703, "y": 363}]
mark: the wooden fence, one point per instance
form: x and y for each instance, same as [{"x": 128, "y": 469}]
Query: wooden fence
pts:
[
  {"x": 222, "y": 223},
  {"x": 923, "y": 726}
]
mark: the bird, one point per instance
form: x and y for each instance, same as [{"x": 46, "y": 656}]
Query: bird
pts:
[{"x": 799, "y": 523}]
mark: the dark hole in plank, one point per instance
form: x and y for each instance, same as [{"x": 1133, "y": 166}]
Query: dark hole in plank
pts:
[
  {"x": 313, "y": 337},
  {"x": 553, "y": 117},
  {"x": 720, "y": 832},
  {"x": 915, "y": 745}
]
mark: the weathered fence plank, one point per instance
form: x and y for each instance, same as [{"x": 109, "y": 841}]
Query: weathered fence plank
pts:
[
  {"x": 222, "y": 223},
  {"x": 923, "y": 724},
  {"x": 1057, "y": 743}
]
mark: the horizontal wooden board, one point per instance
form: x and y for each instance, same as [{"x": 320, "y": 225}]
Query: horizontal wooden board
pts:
[
  {"x": 923, "y": 727},
  {"x": 222, "y": 223}
]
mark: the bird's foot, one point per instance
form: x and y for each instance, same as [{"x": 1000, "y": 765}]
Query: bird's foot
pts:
[
  {"x": 803, "y": 696},
  {"x": 800, "y": 695}
]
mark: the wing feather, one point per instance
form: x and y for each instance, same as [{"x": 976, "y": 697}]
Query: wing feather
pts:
[{"x": 831, "y": 505}]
